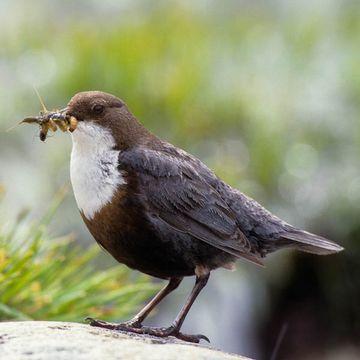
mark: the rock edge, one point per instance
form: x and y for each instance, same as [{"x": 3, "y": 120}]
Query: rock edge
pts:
[{"x": 43, "y": 340}]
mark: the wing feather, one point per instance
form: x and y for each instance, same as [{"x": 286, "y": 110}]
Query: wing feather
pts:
[{"x": 177, "y": 193}]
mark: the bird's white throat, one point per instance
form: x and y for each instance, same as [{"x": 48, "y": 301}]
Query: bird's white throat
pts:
[{"x": 93, "y": 167}]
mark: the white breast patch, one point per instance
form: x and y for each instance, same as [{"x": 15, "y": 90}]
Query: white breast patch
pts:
[{"x": 93, "y": 167}]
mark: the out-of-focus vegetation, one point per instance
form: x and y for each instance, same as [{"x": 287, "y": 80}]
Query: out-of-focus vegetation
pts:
[
  {"x": 264, "y": 92},
  {"x": 54, "y": 279}
]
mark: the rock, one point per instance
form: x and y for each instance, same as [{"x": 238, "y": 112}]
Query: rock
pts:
[{"x": 45, "y": 340}]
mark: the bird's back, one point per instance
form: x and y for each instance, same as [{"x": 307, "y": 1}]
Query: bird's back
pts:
[{"x": 265, "y": 231}]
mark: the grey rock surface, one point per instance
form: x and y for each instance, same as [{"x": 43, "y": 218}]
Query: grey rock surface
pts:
[{"x": 45, "y": 340}]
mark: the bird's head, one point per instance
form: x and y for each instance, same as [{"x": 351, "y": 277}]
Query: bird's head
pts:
[
  {"x": 96, "y": 106},
  {"x": 98, "y": 113}
]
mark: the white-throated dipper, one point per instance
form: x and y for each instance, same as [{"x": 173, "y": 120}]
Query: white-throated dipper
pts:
[{"x": 160, "y": 210}]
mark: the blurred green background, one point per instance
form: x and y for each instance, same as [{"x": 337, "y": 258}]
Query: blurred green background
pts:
[{"x": 266, "y": 93}]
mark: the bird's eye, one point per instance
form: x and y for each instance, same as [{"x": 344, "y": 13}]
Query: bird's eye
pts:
[{"x": 98, "y": 109}]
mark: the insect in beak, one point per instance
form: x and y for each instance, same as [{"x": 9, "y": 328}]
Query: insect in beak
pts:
[{"x": 52, "y": 120}]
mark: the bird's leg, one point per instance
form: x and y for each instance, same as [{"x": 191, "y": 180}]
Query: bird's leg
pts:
[
  {"x": 136, "y": 321},
  {"x": 174, "y": 329},
  {"x": 146, "y": 310},
  {"x": 134, "y": 325}
]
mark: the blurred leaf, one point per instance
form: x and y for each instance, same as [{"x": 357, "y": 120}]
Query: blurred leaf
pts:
[{"x": 54, "y": 279}]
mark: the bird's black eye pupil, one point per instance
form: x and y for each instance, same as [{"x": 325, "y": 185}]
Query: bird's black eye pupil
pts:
[{"x": 98, "y": 108}]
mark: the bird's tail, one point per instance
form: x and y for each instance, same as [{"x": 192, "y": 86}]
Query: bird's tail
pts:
[{"x": 305, "y": 241}]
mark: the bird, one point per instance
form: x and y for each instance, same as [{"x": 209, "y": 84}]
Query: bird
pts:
[{"x": 161, "y": 211}]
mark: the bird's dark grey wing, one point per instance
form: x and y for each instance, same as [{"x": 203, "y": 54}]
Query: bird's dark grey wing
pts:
[
  {"x": 176, "y": 192},
  {"x": 265, "y": 231}
]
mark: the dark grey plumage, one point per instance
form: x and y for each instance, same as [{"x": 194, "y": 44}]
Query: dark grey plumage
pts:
[{"x": 181, "y": 191}]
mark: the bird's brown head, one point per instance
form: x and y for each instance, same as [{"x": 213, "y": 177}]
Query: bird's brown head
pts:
[
  {"x": 95, "y": 106},
  {"x": 99, "y": 109}
]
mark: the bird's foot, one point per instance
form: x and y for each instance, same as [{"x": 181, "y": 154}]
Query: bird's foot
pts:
[
  {"x": 162, "y": 332},
  {"x": 136, "y": 327}
]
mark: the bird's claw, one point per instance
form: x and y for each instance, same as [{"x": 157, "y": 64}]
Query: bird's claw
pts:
[
  {"x": 100, "y": 323},
  {"x": 192, "y": 338}
]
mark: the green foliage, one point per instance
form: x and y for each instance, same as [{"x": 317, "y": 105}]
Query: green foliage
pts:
[{"x": 54, "y": 279}]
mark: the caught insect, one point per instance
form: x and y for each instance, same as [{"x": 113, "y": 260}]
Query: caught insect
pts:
[{"x": 51, "y": 120}]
